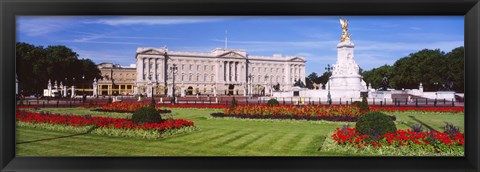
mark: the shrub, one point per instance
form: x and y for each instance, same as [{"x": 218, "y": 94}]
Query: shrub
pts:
[
  {"x": 110, "y": 100},
  {"x": 450, "y": 129},
  {"x": 364, "y": 106},
  {"x": 233, "y": 104},
  {"x": 146, "y": 114},
  {"x": 375, "y": 124},
  {"x": 357, "y": 103},
  {"x": 417, "y": 127},
  {"x": 273, "y": 102}
]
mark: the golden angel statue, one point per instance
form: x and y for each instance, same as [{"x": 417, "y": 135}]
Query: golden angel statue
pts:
[{"x": 345, "y": 34}]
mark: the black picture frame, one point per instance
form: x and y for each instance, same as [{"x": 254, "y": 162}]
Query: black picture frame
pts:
[{"x": 470, "y": 9}]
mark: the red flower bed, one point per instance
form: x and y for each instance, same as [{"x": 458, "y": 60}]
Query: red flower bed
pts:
[
  {"x": 131, "y": 106},
  {"x": 296, "y": 110},
  {"x": 399, "y": 138},
  {"x": 197, "y": 106},
  {"x": 319, "y": 112},
  {"x": 101, "y": 122},
  {"x": 424, "y": 109}
]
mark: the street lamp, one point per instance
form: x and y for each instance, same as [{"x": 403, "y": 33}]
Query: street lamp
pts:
[
  {"x": 174, "y": 70},
  {"x": 150, "y": 81},
  {"x": 83, "y": 84},
  {"x": 74, "y": 86},
  {"x": 329, "y": 97}
]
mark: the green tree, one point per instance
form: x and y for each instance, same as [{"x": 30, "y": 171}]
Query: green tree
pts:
[
  {"x": 455, "y": 69},
  {"x": 375, "y": 76},
  {"x": 324, "y": 78},
  {"x": 426, "y": 66},
  {"x": 36, "y": 65},
  {"x": 310, "y": 79}
]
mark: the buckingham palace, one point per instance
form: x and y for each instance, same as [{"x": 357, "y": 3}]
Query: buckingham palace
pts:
[{"x": 221, "y": 71}]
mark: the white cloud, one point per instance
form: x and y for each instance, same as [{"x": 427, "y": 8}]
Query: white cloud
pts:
[
  {"x": 155, "y": 20},
  {"x": 41, "y": 25}
]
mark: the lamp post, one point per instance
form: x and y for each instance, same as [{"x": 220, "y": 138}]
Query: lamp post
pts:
[
  {"x": 174, "y": 70},
  {"x": 83, "y": 84},
  {"x": 329, "y": 97},
  {"x": 150, "y": 82},
  {"x": 74, "y": 85}
]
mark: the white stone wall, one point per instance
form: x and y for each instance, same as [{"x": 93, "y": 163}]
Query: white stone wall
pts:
[{"x": 217, "y": 70}]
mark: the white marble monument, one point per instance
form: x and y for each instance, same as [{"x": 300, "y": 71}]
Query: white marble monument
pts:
[{"x": 345, "y": 83}]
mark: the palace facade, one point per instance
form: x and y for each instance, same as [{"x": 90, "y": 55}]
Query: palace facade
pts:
[
  {"x": 116, "y": 80},
  {"x": 221, "y": 71}
]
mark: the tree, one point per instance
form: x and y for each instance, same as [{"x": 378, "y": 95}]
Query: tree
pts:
[
  {"x": 324, "y": 78},
  {"x": 375, "y": 76},
  {"x": 310, "y": 79},
  {"x": 36, "y": 65},
  {"x": 456, "y": 67},
  {"x": 426, "y": 66}
]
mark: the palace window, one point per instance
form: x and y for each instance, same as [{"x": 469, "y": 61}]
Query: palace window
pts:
[
  {"x": 183, "y": 76},
  {"x": 205, "y": 68},
  {"x": 198, "y": 77},
  {"x": 190, "y": 68},
  {"x": 212, "y": 67},
  {"x": 198, "y": 67},
  {"x": 183, "y": 67},
  {"x": 205, "y": 77},
  {"x": 190, "y": 78},
  {"x": 212, "y": 78}
]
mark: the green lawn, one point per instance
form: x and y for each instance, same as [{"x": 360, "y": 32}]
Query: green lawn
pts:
[{"x": 217, "y": 136}]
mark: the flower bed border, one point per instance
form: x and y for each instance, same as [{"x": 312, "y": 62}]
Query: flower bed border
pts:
[
  {"x": 402, "y": 142},
  {"x": 143, "y": 134},
  {"x": 161, "y": 111},
  {"x": 292, "y": 117},
  {"x": 116, "y": 126}
]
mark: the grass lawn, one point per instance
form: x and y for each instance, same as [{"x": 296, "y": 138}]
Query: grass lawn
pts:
[{"x": 217, "y": 137}]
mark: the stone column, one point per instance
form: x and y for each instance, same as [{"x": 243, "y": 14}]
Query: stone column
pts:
[
  {"x": 215, "y": 91},
  {"x": 235, "y": 71},
  {"x": 64, "y": 91},
  {"x": 149, "y": 89},
  {"x": 244, "y": 90},
  {"x": 95, "y": 88},
  {"x": 225, "y": 71},
  {"x": 228, "y": 71},
  {"x": 49, "y": 87},
  {"x": 73, "y": 91},
  {"x": 148, "y": 69},
  {"x": 139, "y": 69},
  {"x": 155, "y": 69}
]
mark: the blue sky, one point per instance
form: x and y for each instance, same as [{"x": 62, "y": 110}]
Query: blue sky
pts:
[{"x": 378, "y": 40}]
